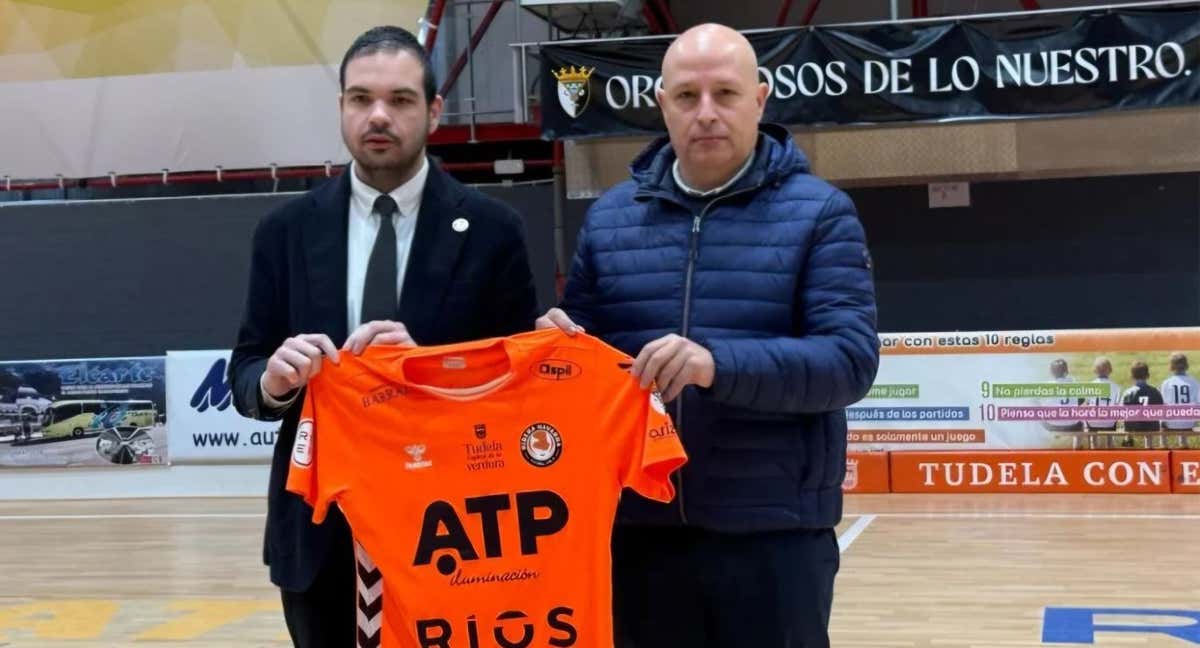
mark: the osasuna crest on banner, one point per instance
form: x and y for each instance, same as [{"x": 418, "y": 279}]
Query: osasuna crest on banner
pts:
[
  {"x": 851, "y": 474},
  {"x": 573, "y": 90}
]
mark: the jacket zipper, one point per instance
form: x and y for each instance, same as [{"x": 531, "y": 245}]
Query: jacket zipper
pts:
[{"x": 693, "y": 252}]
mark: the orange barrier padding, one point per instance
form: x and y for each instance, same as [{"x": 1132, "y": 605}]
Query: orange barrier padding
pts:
[
  {"x": 867, "y": 472},
  {"x": 1185, "y": 471},
  {"x": 1032, "y": 471}
]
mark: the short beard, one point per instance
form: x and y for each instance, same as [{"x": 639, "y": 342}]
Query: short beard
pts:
[{"x": 403, "y": 169}]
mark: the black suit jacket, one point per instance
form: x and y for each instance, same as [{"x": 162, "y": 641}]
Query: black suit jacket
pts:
[{"x": 458, "y": 286}]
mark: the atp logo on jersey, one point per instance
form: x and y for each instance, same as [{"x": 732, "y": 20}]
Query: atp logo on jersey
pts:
[
  {"x": 539, "y": 514},
  {"x": 541, "y": 444},
  {"x": 302, "y": 447}
]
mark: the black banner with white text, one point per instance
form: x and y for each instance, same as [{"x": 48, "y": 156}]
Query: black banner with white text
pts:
[{"x": 991, "y": 68}]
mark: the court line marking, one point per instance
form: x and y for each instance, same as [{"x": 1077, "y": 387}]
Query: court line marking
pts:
[
  {"x": 1033, "y": 514},
  {"x": 850, "y": 535}
]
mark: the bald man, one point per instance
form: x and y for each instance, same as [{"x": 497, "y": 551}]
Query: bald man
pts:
[{"x": 742, "y": 285}]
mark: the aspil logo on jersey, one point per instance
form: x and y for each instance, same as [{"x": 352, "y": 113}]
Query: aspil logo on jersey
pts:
[
  {"x": 437, "y": 633},
  {"x": 214, "y": 390},
  {"x": 557, "y": 370},
  {"x": 539, "y": 514}
]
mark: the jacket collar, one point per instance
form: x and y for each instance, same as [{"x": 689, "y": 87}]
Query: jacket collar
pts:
[{"x": 775, "y": 157}]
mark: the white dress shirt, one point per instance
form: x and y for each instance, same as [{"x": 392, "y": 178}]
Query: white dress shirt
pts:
[
  {"x": 362, "y": 227},
  {"x": 715, "y": 191}
]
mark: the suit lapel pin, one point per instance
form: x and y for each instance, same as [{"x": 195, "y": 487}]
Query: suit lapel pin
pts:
[{"x": 460, "y": 225}]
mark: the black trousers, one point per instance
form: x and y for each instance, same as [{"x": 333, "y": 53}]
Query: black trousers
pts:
[
  {"x": 688, "y": 588},
  {"x": 324, "y": 616}
]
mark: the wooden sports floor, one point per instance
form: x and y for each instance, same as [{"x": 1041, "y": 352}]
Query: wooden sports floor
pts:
[{"x": 967, "y": 571}]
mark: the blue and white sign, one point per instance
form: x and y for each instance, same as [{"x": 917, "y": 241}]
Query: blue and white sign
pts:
[{"x": 205, "y": 427}]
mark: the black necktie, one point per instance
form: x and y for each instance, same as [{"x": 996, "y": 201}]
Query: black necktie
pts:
[{"x": 379, "y": 290}]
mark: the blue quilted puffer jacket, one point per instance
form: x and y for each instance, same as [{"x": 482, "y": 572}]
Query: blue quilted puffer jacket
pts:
[{"x": 774, "y": 278}]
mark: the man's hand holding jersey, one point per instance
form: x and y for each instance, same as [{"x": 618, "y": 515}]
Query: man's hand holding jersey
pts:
[
  {"x": 378, "y": 332},
  {"x": 671, "y": 362},
  {"x": 293, "y": 363},
  {"x": 299, "y": 358}
]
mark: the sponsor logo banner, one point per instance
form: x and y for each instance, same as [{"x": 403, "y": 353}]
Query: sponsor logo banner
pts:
[{"x": 205, "y": 427}]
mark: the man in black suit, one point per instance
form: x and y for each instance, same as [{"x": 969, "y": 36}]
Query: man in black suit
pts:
[{"x": 397, "y": 252}]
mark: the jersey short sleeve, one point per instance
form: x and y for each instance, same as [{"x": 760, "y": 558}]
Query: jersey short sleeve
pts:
[
  {"x": 305, "y": 477},
  {"x": 653, "y": 450}
]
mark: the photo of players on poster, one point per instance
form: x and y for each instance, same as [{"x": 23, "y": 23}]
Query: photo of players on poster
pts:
[
  {"x": 1124, "y": 390},
  {"x": 1101, "y": 389},
  {"x": 92, "y": 412}
]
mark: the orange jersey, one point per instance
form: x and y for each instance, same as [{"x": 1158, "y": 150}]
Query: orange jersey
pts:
[{"x": 481, "y": 481}]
